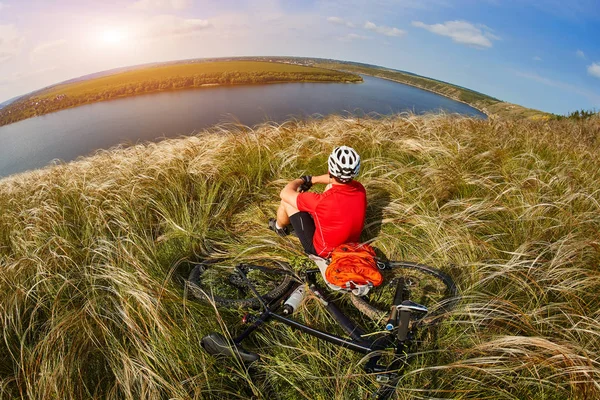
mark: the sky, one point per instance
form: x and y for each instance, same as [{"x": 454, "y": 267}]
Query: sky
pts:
[{"x": 542, "y": 54}]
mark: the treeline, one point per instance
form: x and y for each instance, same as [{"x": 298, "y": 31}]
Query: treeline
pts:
[
  {"x": 40, "y": 104},
  {"x": 579, "y": 115}
]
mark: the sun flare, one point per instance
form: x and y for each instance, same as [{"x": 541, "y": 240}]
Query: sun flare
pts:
[{"x": 113, "y": 37}]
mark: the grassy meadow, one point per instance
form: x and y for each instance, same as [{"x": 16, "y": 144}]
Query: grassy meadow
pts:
[
  {"x": 164, "y": 77},
  {"x": 90, "y": 253},
  {"x": 184, "y": 69}
]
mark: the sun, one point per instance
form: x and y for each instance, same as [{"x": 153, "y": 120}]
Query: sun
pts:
[{"x": 113, "y": 37}]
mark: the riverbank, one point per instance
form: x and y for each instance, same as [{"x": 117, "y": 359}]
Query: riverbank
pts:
[
  {"x": 154, "y": 79},
  {"x": 90, "y": 252},
  {"x": 488, "y": 105},
  {"x": 80, "y": 131},
  {"x": 244, "y": 70},
  {"x": 483, "y": 111}
]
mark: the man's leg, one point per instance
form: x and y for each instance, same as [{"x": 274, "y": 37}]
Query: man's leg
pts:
[
  {"x": 284, "y": 212},
  {"x": 304, "y": 228},
  {"x": 281, "y": 224},
  {"x": 302, "y": 222}
]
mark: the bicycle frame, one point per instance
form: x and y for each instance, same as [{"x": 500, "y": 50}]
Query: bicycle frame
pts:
[
  {"x": 403, "y": 319},
  {"x": 357, "y": 343}
]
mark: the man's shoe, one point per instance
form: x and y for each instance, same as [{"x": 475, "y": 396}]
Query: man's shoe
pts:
[{"x": 280, "y": 231}]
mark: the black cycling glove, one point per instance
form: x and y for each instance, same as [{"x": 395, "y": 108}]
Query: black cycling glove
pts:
[{"x": 306, "y": 183}]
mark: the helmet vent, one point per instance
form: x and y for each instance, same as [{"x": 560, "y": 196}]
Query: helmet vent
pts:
[{"x": 344, "y": 163}]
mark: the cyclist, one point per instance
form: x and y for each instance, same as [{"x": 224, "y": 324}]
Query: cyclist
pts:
[{"x": 327, "y": 220}]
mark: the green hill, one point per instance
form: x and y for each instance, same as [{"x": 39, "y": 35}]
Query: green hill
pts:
[{"x": 89, "y": 253}]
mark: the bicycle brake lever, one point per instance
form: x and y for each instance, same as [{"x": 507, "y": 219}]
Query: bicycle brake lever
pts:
[
  {"x": 381, "y": 264},
  {"x": 411, "y": 306}
]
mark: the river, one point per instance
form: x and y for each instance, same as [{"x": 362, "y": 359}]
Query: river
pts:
[{"x": 68, "y": 134}]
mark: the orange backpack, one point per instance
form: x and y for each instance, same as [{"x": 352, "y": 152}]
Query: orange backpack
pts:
[{"x": 353, "y": 265}]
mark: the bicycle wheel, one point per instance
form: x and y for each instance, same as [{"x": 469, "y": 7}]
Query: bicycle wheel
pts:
[
  {"x": 424, "y": 284},
  {"x": 222, "y": 284}
]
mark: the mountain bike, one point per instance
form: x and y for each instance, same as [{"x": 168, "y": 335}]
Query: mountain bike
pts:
[{"x": 413, "y": 297}]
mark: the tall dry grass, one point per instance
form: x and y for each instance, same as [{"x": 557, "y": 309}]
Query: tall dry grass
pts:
[{"x": 90, "y": 306}]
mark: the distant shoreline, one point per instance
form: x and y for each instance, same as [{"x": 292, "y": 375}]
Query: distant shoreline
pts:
[
  {"x": 204, "y": 86},
  {"x": 165, "y": 78},
  {"x": 432, "y": 91},
  {"x": 487, "y": 105},
  {"x": 199, "y": 73}
]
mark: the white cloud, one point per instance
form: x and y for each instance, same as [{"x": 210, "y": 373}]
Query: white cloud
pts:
[
  {"x": 384, "y": 30},
  {"x": 394, "y": 7},
  {"x": 580, "y": 54},
  {"x": 340, "y": 21},
  {"x": 10, "y": 42},
  {"x": 463, "y": 32},
  {"x": 170, "y": 25},
  {"x": 353, "y": 36},
  {"x": 161, "y": 4},
  {"x": 594, "y": 69},
  {"x": 47, "y": 47},
  {"x": 537, "y": 58}
]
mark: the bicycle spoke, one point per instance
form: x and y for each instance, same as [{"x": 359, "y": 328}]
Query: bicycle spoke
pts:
[{"x": 223, "y": 284}]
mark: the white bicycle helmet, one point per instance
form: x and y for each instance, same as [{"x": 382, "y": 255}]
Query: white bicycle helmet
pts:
[{"x": 344, "y": 163}]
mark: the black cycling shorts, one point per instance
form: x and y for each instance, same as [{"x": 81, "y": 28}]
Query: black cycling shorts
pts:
[{"x": 304, "y": 228}]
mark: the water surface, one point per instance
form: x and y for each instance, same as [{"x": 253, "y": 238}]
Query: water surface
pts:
[{"x": 68, "y": 134}]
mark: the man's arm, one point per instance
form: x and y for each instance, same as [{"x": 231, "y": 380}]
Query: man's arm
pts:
[
  {"x": 324, "y": 179},
  {"x": 289, "y": 193}
]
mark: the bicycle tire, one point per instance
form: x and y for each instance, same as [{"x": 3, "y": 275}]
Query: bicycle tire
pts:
[
  {"x": 377, "y": 306},
  {"x": 213, "y": 282}
]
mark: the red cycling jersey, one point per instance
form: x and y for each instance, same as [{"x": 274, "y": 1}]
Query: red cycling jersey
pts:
[{"x": 339, "y": 215}]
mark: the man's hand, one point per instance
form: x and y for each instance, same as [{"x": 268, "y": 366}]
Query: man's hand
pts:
[
  {"x": 306, "y": 183},
  {"x": 290, "y": 193}
]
